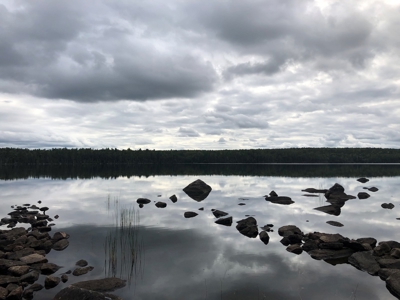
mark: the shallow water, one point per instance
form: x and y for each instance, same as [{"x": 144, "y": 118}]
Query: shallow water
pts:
[{"x": 178, "y": 258}]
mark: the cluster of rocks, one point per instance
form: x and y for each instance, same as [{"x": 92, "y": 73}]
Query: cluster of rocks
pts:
[
  {"x": 23, "y": 258},
  {"x": 363, "y": 253}
]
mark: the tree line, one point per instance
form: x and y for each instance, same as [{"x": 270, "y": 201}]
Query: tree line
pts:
[{"x": 64, "y": 156}]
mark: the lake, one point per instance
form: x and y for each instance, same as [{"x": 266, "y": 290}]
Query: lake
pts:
[{"x": 163, "y": 255}]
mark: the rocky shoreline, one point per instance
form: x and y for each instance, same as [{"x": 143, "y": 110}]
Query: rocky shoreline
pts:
[{"x": 23, "y": 260}]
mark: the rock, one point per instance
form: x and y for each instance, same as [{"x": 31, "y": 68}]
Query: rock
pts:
[
  {"x": 16, "y": 294},
  {"x": 248, "y": 227},
  {"x": 273, "y": 194},
  {"x": 74, "y": 293},
  {"x": 335, "y": 223},
  {"x": 241, "y": 204},
  {"x": 143, "y": 201},
  {"x": 387, "y": 205},
  {"x": 82, "y": 271},
  {"x": 101, "y": 285},
  {"x": 264, "y": 237},
  {"x": 332, "y": 238},
  {"x": 60, "y": 235},
  {"x": 363, "y": 195},
  {"x": 328, "y": 254},
  {"x": 19, "y": 270},
  {"x": 365, "y": 261},
  {"x": 190, "y": 214},
  {"x": 49, "y": 268},
  {"x": 389, "y": 263},
  {"x": 64, "y": 278},
  {"x": 395, "y": 252},
  {"x": 363, "y": 180},
  {"x": 36, "y": 287},
  {"x": 280, "y": 200},
  {"x": 43, "y": 209},
  {"x": 6, "y": 279},
  {"x": 393, "y": 284},
  {"x": 30, "y": 277},
  {"x": 382, "y": 249},
  {"x": 282, "y": 231},
  {"x": 51, "y": 282},
  {"x": 201, "y": 208},
  {"x": 312, "y": 190},
  {"x": 336, "y": 188},
  {"x": 373, "y": 189},
  {"x": 219, "y": 213},
  {"x": 330, "y": 209},
  {"x": 295, "y": 248},
  {"x": 384, "y": 273},
  {"x": 33, "y": 259},
  {"x": 56, "y": 217},
  {"x": 27, "y": 294},
  {"x": 173, "y": 198},
  {"x": 198, "y": 190},
  {"x": 310, "y": 245},
  {"x": 334, "y": 246},
  {"x": 61, "y": 245},
  {"x": 161, "y": 204},
  {"x": 3, "y": 293},
  {"x": 368, "y": 240},
  {"x": 81, "y": 263},
  {"x": 224, "y": 221}
]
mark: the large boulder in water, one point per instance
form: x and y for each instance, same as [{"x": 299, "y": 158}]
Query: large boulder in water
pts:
[
  {"x": 248, "y": 227},
  {"x": 198, "y": 190}
]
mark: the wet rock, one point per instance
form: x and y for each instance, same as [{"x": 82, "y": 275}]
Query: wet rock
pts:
[
  {"x": 333, "y": 246},
  {"x": 74, "y": 293},
  {"x": 82, "y": 271},
  {"x": 384, "y": 273},
  {"x": 3, "y": 293},
  {"x": 49, "y": 268},
  {"x": 16, "y": 294},
  {"x": 61, "y": 245},
  {"x": 288, "y": 230},
  {"x": 101, "y": 285},
  {"x": 198, "y": 190},
  {"x": 295, "y": 248},
  {"x": 273, "y": 194},
  {"x": 280, "y": 200},
  {"x": 363, "y": 180},
  {"x": 310, "y": 245},
  {"x": 389, "y": 263},
  {"x": 329, "y": 209},
  {"x": 27, "y": 294},
  {"x": 51, "y": 281},
  {"x": 30, "y": 277},
  {"x": 19, "y": 270},
  {"x": 264, "y": 237},
  {"x": 328, "y": 254},
  {"x": 335, "y": 223},
  {"x": 161, "y": 204},
  {"x": 363, "y": 195},
  {"x": 173, "y": 198},
  {"x": 382, "y": 249},
  {"x": 6, "y": 279},
  {"x": 365, "y": 261},
  {"x": 368, "y": 240},
  {"x": 33, "y": 259},
  {"x": 60, "y": 235},
  {"x": 36, "y": 287},
  {"x": 81, "y": 263},
  {"x": 387, "y": 205},
  {"x": 248, "y": 227},
  {"x": 64, "y": 278},
  {"x": 332, "y": 238},
  {"x": 190, "y": 214},
  {"x": 357, "y": 246},
  {"x": 219, "y": 213},
  {"x": 143, "y": 201},
  {"x": 395, "y": 252},
  {"x": 224, "y": 221},
  {"x": 373, "y": 189}
]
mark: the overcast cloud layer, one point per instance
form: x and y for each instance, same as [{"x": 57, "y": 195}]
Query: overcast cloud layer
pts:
[{"x": 199, "y": 75}]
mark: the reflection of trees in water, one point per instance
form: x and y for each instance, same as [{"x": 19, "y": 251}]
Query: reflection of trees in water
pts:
[{"x": 123, "y": 245}]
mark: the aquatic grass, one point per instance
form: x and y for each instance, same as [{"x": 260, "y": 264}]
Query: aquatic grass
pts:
[{"x": 123, "y": 246}]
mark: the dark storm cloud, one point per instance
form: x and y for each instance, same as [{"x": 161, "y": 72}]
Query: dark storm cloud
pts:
[{"x": 71, "y": 50}]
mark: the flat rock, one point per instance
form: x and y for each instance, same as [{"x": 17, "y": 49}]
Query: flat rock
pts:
[
  {"x": 335, "y": 223},
  {"x": 365, "y": 261},
  {"x": 328, "y": 254},
  {"x": 33, "y": 259},
  {"x": 387, "y": 205},
  {"x": 198, "y": 190},
  {"x": 101, "y": 285},
  {"x": 389, "y": 263},
  {"x": 74, "y": 293},
  {"x": 329, "y": 209},
  {"x": 373, "y": 189},
  {"x": 312, "y": 190}
]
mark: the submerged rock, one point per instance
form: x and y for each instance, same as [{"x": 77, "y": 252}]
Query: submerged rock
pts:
[{"x": 198, "y": 190}]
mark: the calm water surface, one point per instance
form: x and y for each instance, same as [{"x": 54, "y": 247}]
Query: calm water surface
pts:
[{"x": 178, "y": 258}]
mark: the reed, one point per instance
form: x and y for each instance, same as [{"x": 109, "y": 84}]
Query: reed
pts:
[{"x": 123, "y": 246}]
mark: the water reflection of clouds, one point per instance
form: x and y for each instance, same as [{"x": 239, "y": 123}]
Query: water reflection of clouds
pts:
[{"x": 201, "y": 254}]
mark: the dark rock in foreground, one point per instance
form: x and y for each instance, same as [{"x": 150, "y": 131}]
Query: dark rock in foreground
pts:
[
  {"x": 198, "y": 190},
  {"x": 248, "y": 227},
  {"x": 365, "y": 261}
]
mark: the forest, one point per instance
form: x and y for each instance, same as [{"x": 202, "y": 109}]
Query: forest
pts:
[{"x": 109, "y": 156}]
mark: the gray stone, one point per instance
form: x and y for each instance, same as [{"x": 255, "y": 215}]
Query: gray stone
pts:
[
  {"x": 327, "y": 254},
  {"x": 365, "y": 261},
  {"x": 61, "y": 245},
  {"x": 248, "y": 227},
  {"x": 389, "y": 263},
  {"x": 295, "y": 248},
  {"x": 292, "y": 228},
  {"x": 395, "y": 252},
  {"x": 16, "y": 294},
  {"x": 264, "y": 237},
  {"x": 224, "y": 221},
  {"x": 384, "y": 273},
  {"x": 332, "y": 238},
  {"x": 198, "y": 190},
  {"x": 81, "y": 263},
  {"x": 6, "y": 279},
  {"x": 49, "y": 268},
  {"x": 33, "y": 259},
  {"x": 82, "y": 271},
  {"x": 31, "y": 277},
  {"x": 18, "y": 270},
  {"x": 51, "y": 281}
]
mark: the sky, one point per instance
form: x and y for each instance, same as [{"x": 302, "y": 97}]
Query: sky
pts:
[{"x": 185, "y": 74}]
